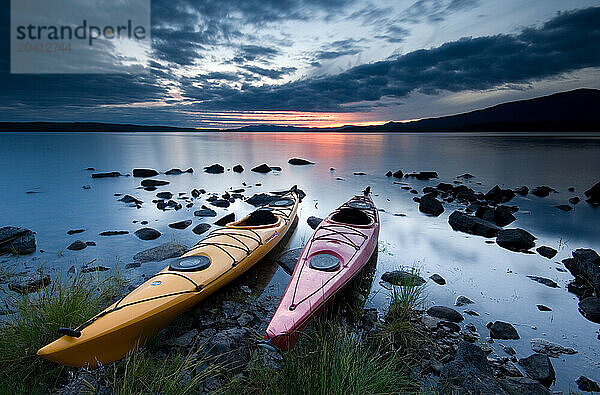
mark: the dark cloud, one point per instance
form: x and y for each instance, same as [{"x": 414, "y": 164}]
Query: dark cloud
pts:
[
  {"x": 337, "y": 49},
  {"x": 565, "y": 43},
  {"x": 434, "y": 10},
  {"x": 250, "y": 53},
  {"x": 271, "y": 73}
]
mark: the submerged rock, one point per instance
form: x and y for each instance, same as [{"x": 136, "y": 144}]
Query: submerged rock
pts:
[
  {"x": 445, "y": 313},
  {"x": 389, "y": 173},
  {"x": 523, "y": 191},
  {"x": 264, "y": 168},
  {"x": 546, "y": 252},
  {"x": 503, "y": 331},
  {"x": 153, "y": 183},
  {"x": 106, "y": 175},
  {"x": 539, "y": 367},
  {"x": 30, "y": 285},
  {"x": 300, "y": 162},
  {"x": 462, "y": 300},
  {"x": 542, "y": 307},
  {"x": 423, "y": 175},
  {"x": 220, "y": 203},
  {"x": 402, "y": 278},
  {"x": 554, "y": 350},
  {"x": 130, "y": 199},
  {"x": 201, "y": 228},
  {"x": 114, "y": 233},
  {"x": 438, "y": 279},
  {"x": 587, "y": 385},
  {"x": 542, "y": 191},
  {"x": 18, "y": 241},
  {"x": 574, "y": 200},
  {"x": 161, "y": 252},
  {"x": 181, "y": 224},
  {"x": 144, "y": 173},
  {"x": 225, "y": 220},
  {"x": 590, "y": 308},
  {"x": 147, "y": 234},
  {"x": 75, "y": 231},
  {"x": 472, "y": 225},
  {"x": 174, "y": 172},
  {"x": 564, "y": 207},
  {"x": 398, "y": 174},
  {"x": 430, "y": 205},
  {"x": 515, "y": 239},
  {"x": 214, "y": 169},
  {"x": 77, "y": 245},
  {"x": 164, "y": 195},
  {"x": 205, "y": 212},
  {"x": 546, "y": 281},
  {"x": 313, "y": 222}
]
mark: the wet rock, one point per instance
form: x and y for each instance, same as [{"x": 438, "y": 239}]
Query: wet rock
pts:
[
  {"x": 75, "y": 231},
  {"x": 564, "y": 207},
  {"x": 546, "y": 252},
  {"x": 503, "y": 216},
  {"x": 449, "y": 326},
  {"x": 18, "y": 241},
  {"x": 523, "y": 191},
  {"x": 86, "y": 187},
  {"x": 499, "y": 195},
  {"x": 313, "y": 222},
  {"x": 164, "y": 195},
  {"x": 114, "y": 233},
  {"x": 423, "y": 175},
  {"x": 546, "y": 281},
  {"x": 515, "y": 239},
  {"x": 133, "y": 265},
  {"x": 430, "y": 205},
  {"x": 587, "y": 385},
  {"x": 147, "y": 234},
  {"x": 150, "y": 188},
  {"x": 398, "y": 174},
  {"x": 288, "y": 260},
  {"x": 593, "y": 194},
  {"x": 275, "y": 168},
  {"x": 503, "y": 331},
  {"x": 174, "y": 172},
  {"x": 185, "y": 340},
  {"x": 181, "y": 224},
  {"x": 77, "y": 245},
  {"x": 220, "y": 203},
  {"x": 89, "y": 244},
  {"x": 205, "y": 212},
  {"x": 539, "y": 367},
  {"x": 264, "y": 168},
  {"x": 130, "y": 199},
  {"x": 389, "y": 174},
  {"x": 438, "y": 279},
  {"x": 542, "y": 191},
  {"x": 225, "y": 220},
  {"x": 173, "y": 204},
  {"x": 580, "y": 287},
  {"x": 541, "y": 307},
  {"x": 245, "y": 319},
  {"x": 585, "y": 264},
  {"x": 299, "y": 162},
  {"x": 214, "y": 169},
  {"x": 590, "y": 308},
  {"x": 524, "y": 385},
  {"x": 106, "y": 175},
  {"x": 261, "y": 199},
  {"x": 470, "y": 224},
  {"x": 238, "y": 168},
  {"x": 30, "y": 285},
  {"x": 229, "y": 346},
  {"x": 466, "y": 176},
  {"x": 144, "y": 173},
  {"x": 97, "y": 268},
  {"x": 471, "y": 312},
  {"x": 486, "y": 213},
  {"x": 574, "y": 200},
  {"x": 402, "y": 278},
  {"x": 201, "y": 228},
  {"x": 445, "y": 313},
  {"x": 153, "y": 183},
  {"x": 509, "y": 350},
  {"x": 462, "y": 300},
  {"x": 551, "y": 349},
  {"x": 359, "y": 173},
  {"x": 161, "y": 252},
  {"x": 469, "y": 373}
]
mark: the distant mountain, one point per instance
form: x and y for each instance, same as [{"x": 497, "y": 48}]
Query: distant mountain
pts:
[
  {"x": 575, "y": 111},
  {"x": 572, "y": 111},
  {"x": 85, "y": 127}
]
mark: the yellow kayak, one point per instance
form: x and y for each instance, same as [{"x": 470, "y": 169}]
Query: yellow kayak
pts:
[{"x": 215, "y": 261}]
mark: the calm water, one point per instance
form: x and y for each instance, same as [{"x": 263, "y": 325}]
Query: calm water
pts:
[{"x": 53, "y": 165}]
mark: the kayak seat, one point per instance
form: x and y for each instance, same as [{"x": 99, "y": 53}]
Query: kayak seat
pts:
[
  {"x": 351, "y": 216},
  {"x": 325, "y": 262},
  {"x": 258, "y": 218}
]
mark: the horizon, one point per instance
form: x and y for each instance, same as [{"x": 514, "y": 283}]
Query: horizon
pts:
[{"x": 328, "y": 64}]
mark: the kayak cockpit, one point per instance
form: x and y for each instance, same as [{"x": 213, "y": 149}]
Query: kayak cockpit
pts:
[{"x": 351, "y": 216}]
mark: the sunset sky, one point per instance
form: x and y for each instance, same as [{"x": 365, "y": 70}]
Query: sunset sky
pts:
[{"x": 225, "y": 64}]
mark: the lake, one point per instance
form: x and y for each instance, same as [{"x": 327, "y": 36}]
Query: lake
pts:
[{"x": 52, "y": 165}]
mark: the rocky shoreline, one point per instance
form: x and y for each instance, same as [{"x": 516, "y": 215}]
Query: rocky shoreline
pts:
[{"x": 454, "y": 358}]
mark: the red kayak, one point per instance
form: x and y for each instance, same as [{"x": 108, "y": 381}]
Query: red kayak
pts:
[{"x": 338, "y": 249}]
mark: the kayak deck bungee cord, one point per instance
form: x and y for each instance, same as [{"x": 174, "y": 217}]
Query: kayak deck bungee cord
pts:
[
  {"x": 336, "y": 252},
  {"x": 222, "y": 256}
]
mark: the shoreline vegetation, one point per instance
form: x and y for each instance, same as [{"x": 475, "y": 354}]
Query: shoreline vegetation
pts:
[
  {"x": 556, "y": 113},
  {"x": 404, "y": 348}
]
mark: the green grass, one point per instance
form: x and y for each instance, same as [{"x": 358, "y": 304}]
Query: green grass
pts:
[
  {"x": 331, "y": 361},
  {"x": 34, "y": 322}
]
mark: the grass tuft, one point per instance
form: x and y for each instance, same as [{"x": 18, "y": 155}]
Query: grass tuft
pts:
[{"x": 34, "y": 321}]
